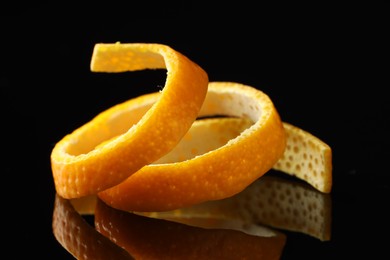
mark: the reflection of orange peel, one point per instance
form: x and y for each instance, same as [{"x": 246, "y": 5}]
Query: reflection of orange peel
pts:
[
  {"x": 119, "y": 155},
  {"x": 270, "y": 201},
  {"x": 122, "y": 235},
  {"x": 78, "y": 237},
  {"x": 148, "y": 238}
]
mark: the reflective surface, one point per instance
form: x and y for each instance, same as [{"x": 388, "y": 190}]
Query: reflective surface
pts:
[
  {"x": 247, "y": 225},
  {"x": 322, "y": 69}
]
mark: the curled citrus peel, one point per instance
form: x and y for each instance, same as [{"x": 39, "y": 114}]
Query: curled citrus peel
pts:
[
  {"x": 307, "y": 157},
  {"x": 218, "y": 173},
  {"x": 123, "y": 154},
  {"x": 124, "y": 138}
]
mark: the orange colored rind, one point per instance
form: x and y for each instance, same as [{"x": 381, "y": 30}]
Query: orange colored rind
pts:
[
  {"x": 154, "y": 152},
  {"x": 217, "y": 174},
  {"x": 124, "y": 138}
]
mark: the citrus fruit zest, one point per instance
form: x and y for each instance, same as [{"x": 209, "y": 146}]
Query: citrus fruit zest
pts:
[
  {"x": 218, "y": 173},
  {"x": 307, "y": 157},
  {"x": 155, "y": 152},
  {"x": 121, "y": 140}
]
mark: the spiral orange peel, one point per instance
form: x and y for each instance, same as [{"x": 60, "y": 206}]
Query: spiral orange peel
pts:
[
  {"x": 121, "y": 140},
  {"x": 130, "y": 155}
]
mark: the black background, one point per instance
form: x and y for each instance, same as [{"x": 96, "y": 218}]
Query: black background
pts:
[{"x": 320, "y": 64}]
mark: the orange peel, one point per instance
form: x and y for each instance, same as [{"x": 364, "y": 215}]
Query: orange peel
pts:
[
  {"x": 142, "y": 155},
  {"x": 218, "y": 173},
  {"x": 124, "y": 138},
  {"x": 307, "y": 157}
]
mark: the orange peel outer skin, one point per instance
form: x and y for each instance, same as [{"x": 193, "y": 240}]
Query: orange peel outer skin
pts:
[
  {"x": 95, "y": 156},
  {"x": 214, "y": 175}
]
